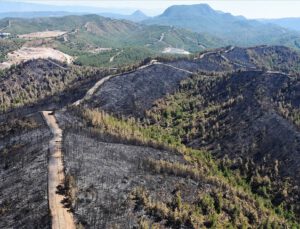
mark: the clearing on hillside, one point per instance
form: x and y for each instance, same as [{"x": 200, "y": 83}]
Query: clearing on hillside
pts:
[
  {"x": 44, "y": 34},
  {"x": 176, "y": 51},
  {"x": 28, "y": 53}
]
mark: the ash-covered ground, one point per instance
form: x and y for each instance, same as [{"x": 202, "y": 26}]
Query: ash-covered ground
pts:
[
  {"x": 106, "y": 173},
  {"x": 23, "y": 174}
]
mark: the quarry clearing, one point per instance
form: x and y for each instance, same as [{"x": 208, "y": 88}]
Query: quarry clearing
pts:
[
  {"x": 29, "y": 53},
  {"x": 44, "y": 34},
  {"x": 175, "y": 51}
]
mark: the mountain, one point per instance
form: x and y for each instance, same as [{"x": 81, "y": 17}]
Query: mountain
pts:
[
  {"x": 34, "y": 14},
  {"x": 128, "y": 136},
  {"x": 202, "y": 18},
  {"x": 242, "y": 107},
  {"x": 19, "y": 6},
  {"x": 289, "y": 23},
  {"x": 100, "y": 41},
  {"x": 139, "y": 15},
  {"x": 185, "y": 143},
  {"x": 13, "y": 9},
  {"x": 136, "y": 16}
]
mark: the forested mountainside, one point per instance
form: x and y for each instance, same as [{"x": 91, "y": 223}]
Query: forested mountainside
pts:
[
  {"x": 97, "y": 41},
  {"x": 209, "y": 141},
  {"x": 100, "y": 41},
  {"x": 248, "y": 118},
  {"x": 202, "y": 18},
  {"x": 289, "y": 23}
]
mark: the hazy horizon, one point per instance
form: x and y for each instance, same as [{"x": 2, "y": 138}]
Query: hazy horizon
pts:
[{"x": 248, "y": 9}]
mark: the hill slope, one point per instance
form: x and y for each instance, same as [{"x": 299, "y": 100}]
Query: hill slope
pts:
[
  {"x": 238, "y": 107},
  {"x": 202, "y": 18},
  {"x": 105, "y": 32},
  {"x": 196, "y": 143},
  {"x": 135, "y": 92},
  {"x": 95, "y": 39},
  {"x": 289, "y": 23}
]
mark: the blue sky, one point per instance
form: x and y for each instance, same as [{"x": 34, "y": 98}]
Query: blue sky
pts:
[{"x": 247, "y": 8}]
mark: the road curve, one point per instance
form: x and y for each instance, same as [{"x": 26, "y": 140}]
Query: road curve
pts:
[
  {"x": 92, "y": 90},
  {"x": 171, "y": 66},
  {"x": 97, "y": 85},
  {"x": 61, "y": 217}
]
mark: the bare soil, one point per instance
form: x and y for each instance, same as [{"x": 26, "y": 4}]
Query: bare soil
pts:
[
  {"x": 44, "y": 34},
  {"x": 29, "y": 53},
  {"x": 61, "y": 217}
]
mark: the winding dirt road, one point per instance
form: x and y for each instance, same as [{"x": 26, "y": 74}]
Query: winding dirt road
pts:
[
  {"x": 161, "y": 37},
  {"x": 92, "y": 90},
  {"x": 113, "y": 57},
  {"x": 171, "y": 66},
  {"x": 97, "y": 85},
  {"x": 61, "y": 217}
]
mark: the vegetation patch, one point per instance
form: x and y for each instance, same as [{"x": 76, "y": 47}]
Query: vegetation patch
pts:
[{"x": 202, "y": 168}]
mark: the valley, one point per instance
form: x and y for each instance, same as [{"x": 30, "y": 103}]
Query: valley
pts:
[{"x": 130, "y": 121}]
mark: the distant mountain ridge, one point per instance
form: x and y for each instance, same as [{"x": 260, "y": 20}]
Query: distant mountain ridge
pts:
[
  {"x": 202, "y": 18},
  {"x": 87, "y": 36},
  {"x": 19, "y": 6},
  {"x": 33, "y": 10},
  {"x": 136, "y": 16},
  {"x": 289, "y": 23},
  {"x": 123, "y": 32},
  {"x": 34, "y": 14}
]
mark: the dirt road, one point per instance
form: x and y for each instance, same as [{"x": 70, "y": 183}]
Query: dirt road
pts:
[
  {"x": 161, "y": 37},
  {"x": 171, "y": 66},
  {"x": 61, "y": 218},
  {"x": 92, "y": 90},
  {"x": 97, "y": 85},
  {"x": 113, "y": 57}
]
